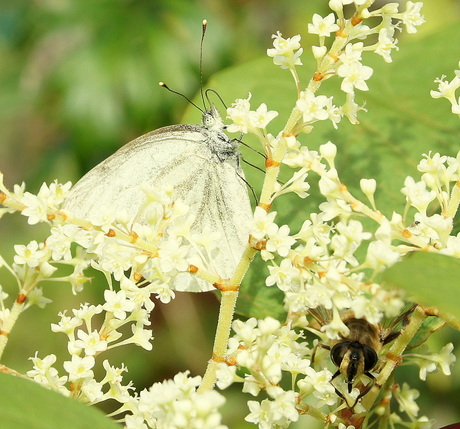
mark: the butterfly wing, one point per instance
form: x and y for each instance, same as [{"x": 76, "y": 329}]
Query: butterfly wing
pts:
[{"x": 214, "y": 190}]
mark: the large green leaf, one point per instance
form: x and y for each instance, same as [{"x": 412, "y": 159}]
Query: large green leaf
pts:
[
  {"x": 401, "y": 123},
  {"x": 431, "y": 279},
  {"x": 26, "y": 405}
]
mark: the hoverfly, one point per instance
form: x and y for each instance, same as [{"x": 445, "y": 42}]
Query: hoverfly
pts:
[{"x": 358, "y": 352}]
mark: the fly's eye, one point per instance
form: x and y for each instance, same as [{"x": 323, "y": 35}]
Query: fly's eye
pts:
[
  {"x": 338, "y": 352},
  {"x": 370, "y": 358}
]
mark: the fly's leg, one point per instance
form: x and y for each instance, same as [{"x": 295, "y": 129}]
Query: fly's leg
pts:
[
  {"x": 367, "y": 389},
  {"x": 323, "y": 346},
  {"x": 338, "y": 392}
]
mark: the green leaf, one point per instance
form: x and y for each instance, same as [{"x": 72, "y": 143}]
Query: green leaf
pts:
[
  {"x": 258, "y": 300},
  {"x": 401, "y": 123},
  {"x": 429, "y": 279},
  {"x": 26, "y": 405}
]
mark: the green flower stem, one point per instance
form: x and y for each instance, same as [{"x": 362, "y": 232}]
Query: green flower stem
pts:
[
  {"x": 229, "y": 297},
  {"x": 454, "y": 201},
  {"x": 227, "y": 308},
  {"x": 224, "y": 323},
  {"x": 9, "y": 323}
]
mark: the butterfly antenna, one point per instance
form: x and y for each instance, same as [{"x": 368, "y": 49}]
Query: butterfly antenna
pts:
[
  {"x": 218, "y": 96},
  {"x": 182, "y": 95},
  {"x": 203, "y": 32}
]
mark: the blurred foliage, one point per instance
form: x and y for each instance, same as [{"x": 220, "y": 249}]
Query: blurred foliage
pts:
[{"x": 78, "y": 79}]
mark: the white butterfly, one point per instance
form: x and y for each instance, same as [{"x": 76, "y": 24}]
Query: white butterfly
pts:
[{"x": 202, "y": 164}]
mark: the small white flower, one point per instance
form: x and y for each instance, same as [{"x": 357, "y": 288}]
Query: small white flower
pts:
[
  {"x": 350, "y": 109},
  {"x": 429, "y": 363},
  {"x": 247, "y": 331},
  {"x": 41, "y": 366},
  {"x": 225, "y": 375},
  {"x": 263, "y": 224},
  {"x": 280, "y": 242},
  {"x": 334, "y": 207},
  {"x": 386, "y": 43},
  {"x": 319, "y": 51},
  {"x": 246, "y": 120},
  {"x": 58, "y": 192},
  {"x": 426, "y": 366},
  {"x": 112, "y": 374},
  {"x": 381, "y": 255},
  {"x": 142, "y": 337},
  {"x": 354, "y": 76},
  {"x": 36, "y": 208},
  {"x": 368, "y": 186},
  {"x": 286, "y": 52},
  {"x": 337, "y": 5},
  {"x": 44, "y": 373},
  {"x": 412, "y": 17},
  {"x": 417, "y": 194},
  {"x": 32, "y": 255},
  {"x": 323, "y": 26},
  {"x": 36, "y": 297},
  {"x": 318, "y": 383},
  {"x": 79, "y": 367},
  {"x": 86, "y": 312},
  {"x": 328, "y": 151},
  {"x": 283, "y": 275},
  {"x": 261, "y": 117},
  {"x": 118, "y": 303},
  {"x": 172, "y": 255},
  {"x": 406, "y": 398},
  {"x": 313, "y": 107},
  {"x": 66, "y": 325},
  {"x": 60, "y": 241},
  {"x": 92, "y": 390},
  {"x": 279, "y": 413},
  {"x": 329, "y": 188},
  {"x": 238, "y": 113},
  {"x": 91, "y": 343}
]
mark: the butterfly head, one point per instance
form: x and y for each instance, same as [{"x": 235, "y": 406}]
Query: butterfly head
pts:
[{"x": 212, "y": 120}]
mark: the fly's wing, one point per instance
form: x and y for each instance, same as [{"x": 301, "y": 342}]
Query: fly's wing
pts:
[
  {"x": 321, "y": 315},
  {"x": 392, "y": 328},
  {"x": 177, "y": 155}
]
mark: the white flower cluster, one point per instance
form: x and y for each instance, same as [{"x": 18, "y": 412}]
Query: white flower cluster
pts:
[
  {"x": 176, "y": 404},
  {"x": 344, "y": 59},
  {"x": 447, "y": 90},
  {"x": 80, "y": 379},
  {"x": 430, "y": 362},
  {"x": 138, "y": 260},
  {"x": 246, "y": 121},
  {"x": 268, "y": 351},
  {"x": 333, "y": 261}
]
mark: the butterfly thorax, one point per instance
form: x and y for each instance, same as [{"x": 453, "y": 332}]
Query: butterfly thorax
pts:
[{"x": 222, "y": 147}]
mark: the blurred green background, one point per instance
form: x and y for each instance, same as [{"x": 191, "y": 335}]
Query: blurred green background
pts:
[{"x": 78, "y": 79}]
